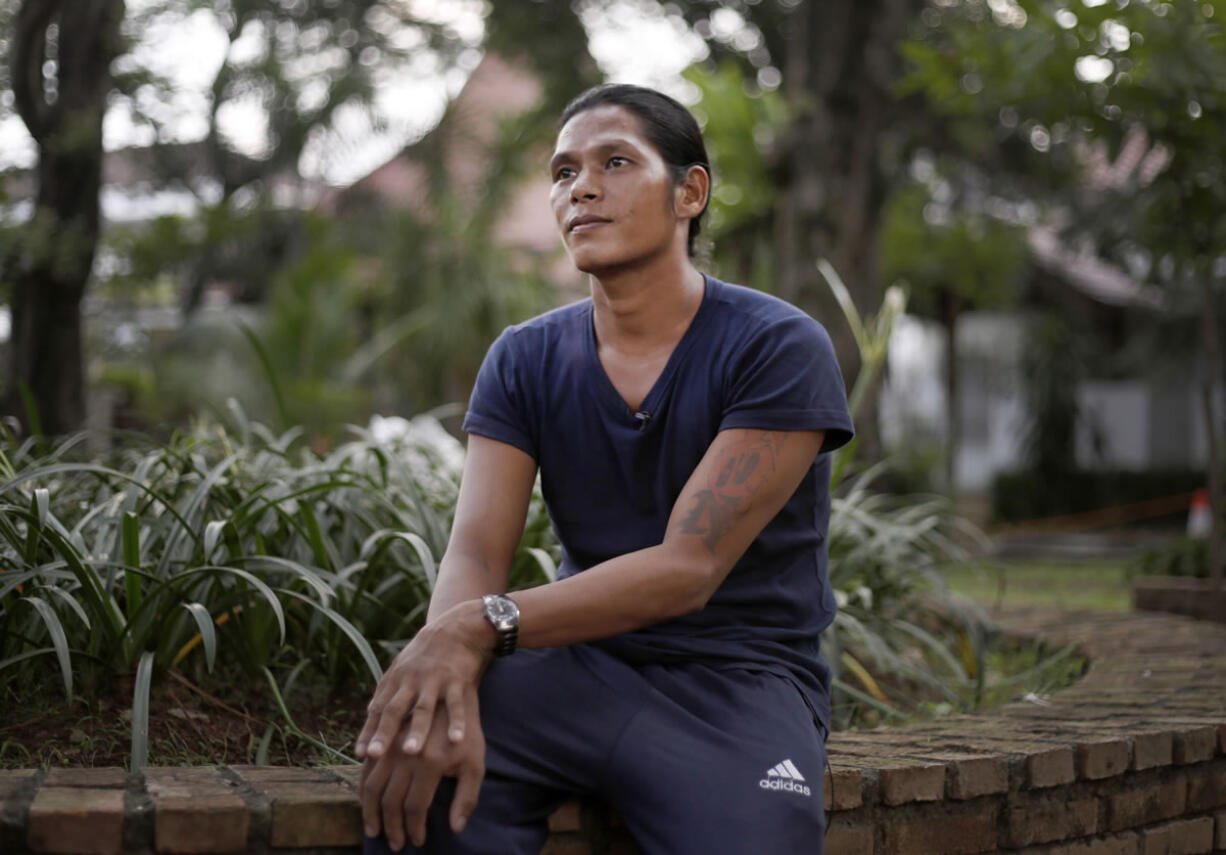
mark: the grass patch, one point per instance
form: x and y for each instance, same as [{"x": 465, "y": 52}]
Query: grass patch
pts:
[{"x": 1100, "y": 585}]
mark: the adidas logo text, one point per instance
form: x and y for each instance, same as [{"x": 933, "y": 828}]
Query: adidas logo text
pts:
[{"x": 786, "y": 778}]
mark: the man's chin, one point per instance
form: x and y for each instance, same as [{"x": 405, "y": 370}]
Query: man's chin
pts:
[{"x": 596, "y": 262}]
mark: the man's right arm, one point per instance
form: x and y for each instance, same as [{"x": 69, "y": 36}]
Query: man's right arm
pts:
[
  {"x": 396, "y": 789},
  {"x": 489, "y": 522},
  {"x": 437, "y": 665}
]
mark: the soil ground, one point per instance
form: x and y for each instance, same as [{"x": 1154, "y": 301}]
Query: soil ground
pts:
[{"x": 188, "y": 725}]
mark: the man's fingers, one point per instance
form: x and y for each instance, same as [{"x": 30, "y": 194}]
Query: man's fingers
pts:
[
  {"x": 368, "y": 730},
  {"x": 391, "y": 802},
  {"x": 391, "y": 718},
  {"x": 468, "y": 786},
  {"x": 370, "y": 791},
  {"x": 419, "y": 725},
  {"x": 456, "y": 712},
  {"x": 417, "y": 803}
]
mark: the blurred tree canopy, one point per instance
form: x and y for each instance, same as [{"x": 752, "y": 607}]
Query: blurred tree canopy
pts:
[
  {"x": 1119, "y": 116},
  {"x": 902, "y": 140}
]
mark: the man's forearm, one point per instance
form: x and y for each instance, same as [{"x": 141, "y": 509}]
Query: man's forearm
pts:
[
  {"x": 462, "y": 577},
  {"x": 625, "y": 593}
]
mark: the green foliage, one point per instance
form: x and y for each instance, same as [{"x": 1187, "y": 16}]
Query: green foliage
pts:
[
  {"x": 739, "y": 129},
  {"x": 1093, "y": 75},
  {"x": 901, "y": 645},
  {"x": 1183, "y": 556},
  {"x": 941, "y": 252},
  {"x": 898, "y": 640},
  {"x": 229, "y": 550}
]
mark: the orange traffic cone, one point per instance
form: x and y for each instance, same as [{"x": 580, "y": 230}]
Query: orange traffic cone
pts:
[{"x": 1200, "y": 516}]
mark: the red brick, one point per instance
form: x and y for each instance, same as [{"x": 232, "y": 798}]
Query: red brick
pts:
[
  {"x": 12, "y": 780},
  {"x": 1116, "y": 844},
  {"x": 103, "y": 777},
  {"x": 257, "y": 776},
  {"x": 1050, "y": 767},
  {"x": 843, "y": 788},
  {"x": 844, "y": 838},
  {"x": 348, "y": 774},
  {"x": 912, "y": 782},
  {"x": 1207, "y": 788},
  {"x": 1151, "y": 750},
  {"x": 567, "y": 817},
  {"x": 1102, "y": 759},
  {"x": 1046, "y": 822},
  {"x": 185, "y": 780},
  {"x": 313, "y": 814},
  {"x": 1195, "y": 746},
  {"x": 1182, "y": 837},
  {"x": 971, "y": 776},
  {"x": 1139, "y": 806},
  {"x": 76, "y": 821},
  {"x": 953, "y": 834},
  {"x": 200, "y": 823}
]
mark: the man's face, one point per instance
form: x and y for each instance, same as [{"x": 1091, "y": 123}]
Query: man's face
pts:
[{"x": 613, "y": 195}]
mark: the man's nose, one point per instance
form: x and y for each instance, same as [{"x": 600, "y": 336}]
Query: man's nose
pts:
[{"x": 585, "y": 187}]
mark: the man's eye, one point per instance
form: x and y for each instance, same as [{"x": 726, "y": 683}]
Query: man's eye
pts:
[
  {"x": 563, "y": 173},
  {"x": 618, "y": 161}
]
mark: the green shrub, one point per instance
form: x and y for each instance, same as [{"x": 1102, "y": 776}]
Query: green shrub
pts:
[
  {"x": 227, "y": 549},
  {"x": 1183, "y": 556},
  {"x": 1025, "y": 495}
]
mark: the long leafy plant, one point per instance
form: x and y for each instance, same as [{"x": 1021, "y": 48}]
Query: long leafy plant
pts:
[{"x": 226, "y": 547}]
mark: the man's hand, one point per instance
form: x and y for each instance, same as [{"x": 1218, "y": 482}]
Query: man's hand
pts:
[
  {"x": 444, "y": 661},
  {"x": 396, "y": 789}
]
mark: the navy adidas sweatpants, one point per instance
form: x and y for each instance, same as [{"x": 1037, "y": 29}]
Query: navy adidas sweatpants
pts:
[{"x": 694, "y": 759}]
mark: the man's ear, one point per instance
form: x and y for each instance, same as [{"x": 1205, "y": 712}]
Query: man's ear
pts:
[{"x": 692, "y": 193}]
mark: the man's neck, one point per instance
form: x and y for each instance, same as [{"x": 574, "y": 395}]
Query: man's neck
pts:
[{"x": 645, "y": 308}]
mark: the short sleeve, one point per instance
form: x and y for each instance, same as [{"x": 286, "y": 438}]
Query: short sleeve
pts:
[
  {"x": 787, "y": 378},
  {"x": 498, "y": 407}
]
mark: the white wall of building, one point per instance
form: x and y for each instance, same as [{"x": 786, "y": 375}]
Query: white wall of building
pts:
[{"x": 1129, "y": 424}]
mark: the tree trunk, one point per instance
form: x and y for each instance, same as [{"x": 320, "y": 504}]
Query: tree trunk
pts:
[
  {"x": 841, "y": 60},
  {"x": 63, "y": 112},
  {"x": 1209, "y": 383}
]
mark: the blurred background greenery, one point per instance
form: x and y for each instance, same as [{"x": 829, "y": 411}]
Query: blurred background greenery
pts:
[{"x": 231, "y": 230}]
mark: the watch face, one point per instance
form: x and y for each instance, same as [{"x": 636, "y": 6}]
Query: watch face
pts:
[{"x": 501, "y": 611}]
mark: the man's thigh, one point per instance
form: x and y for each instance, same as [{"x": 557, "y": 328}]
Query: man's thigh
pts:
[
  {"x": 721, "y": 761},
  {"x": 552, "y": 716}
]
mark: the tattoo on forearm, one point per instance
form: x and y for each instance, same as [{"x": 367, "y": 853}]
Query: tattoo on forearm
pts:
[
  {"x": 710, "y": 517},
  {"x": 741, "y": 469}
]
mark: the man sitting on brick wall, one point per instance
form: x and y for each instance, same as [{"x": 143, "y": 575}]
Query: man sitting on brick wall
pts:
[{"x": 679, "y": 425}]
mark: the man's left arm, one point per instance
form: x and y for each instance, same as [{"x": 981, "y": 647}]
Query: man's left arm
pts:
[{"x": 744, "y": 479}]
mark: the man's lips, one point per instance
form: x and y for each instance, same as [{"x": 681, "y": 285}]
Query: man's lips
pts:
[{"x": 586, "y": 223}]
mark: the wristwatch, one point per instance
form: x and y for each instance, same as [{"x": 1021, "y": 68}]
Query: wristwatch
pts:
[{"x": 503, "y": 614}]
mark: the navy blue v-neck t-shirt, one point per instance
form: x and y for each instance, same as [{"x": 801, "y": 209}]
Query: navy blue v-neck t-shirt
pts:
[{"x": 610, "y": 477}]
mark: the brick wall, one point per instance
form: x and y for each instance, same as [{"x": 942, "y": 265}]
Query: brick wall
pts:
[{"x": 1130, "y": 761}]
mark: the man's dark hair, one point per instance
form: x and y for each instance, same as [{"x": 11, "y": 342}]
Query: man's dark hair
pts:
[{"x": 666, "y": 123}]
